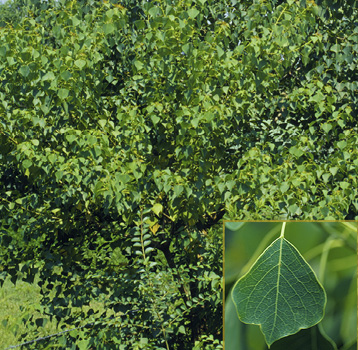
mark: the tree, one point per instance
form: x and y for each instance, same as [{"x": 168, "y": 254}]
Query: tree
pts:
[{"x": 135, "y": 127}]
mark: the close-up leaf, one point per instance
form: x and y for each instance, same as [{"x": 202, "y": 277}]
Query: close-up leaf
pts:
[
  {"x": 309, "y": 339},
  {"x": 280, "y": 293},
  {"x": 298, "y": 291}
]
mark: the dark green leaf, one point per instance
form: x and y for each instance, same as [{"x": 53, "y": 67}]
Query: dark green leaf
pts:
[{"x": 280, "y": 293}]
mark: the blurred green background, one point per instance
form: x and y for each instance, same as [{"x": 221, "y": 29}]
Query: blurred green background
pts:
[{"x": 331, "y": 250}]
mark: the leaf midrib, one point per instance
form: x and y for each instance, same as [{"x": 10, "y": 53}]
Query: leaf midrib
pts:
[{"x": 278, "y": 287}]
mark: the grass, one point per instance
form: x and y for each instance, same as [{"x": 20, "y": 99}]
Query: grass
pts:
[{"x": 18, "y": 302}]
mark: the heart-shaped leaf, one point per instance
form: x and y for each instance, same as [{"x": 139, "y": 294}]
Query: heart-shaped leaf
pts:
[{"x": 280, "y": 293}]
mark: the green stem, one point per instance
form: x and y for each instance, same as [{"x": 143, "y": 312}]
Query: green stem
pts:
[
  {"x": 323, "y": 262},
  {"x": 283, "y": 230},
  {"x": 279, "y": 17}
]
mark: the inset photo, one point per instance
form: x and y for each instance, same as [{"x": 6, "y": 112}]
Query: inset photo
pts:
[{"x": 290, "y": 285}]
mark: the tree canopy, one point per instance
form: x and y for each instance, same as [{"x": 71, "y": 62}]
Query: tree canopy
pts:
[{"x": 129, "y": 130}]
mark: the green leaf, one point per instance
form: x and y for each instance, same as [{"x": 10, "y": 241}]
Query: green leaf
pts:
[
  {"x": 280, "y": 293},
  {"x": 154, "y": 10},
  {"x": 325, "y": 177},
  {"x": 63, "y": 93},
  {"x": 326, "y": 127},
  {"x": 83, "y": 344},
  {"x": 178, "y": 189},
  {"x": 26, "y": 163},
  {"x": 155, "y": 119},
  {"x": 344, "y": 185},
  {"x": 293, "y": 208},
  {"x": 102, "y": 123},
  {"x": 80, "y": 63},
  {"x": 71, "y": 138},
  {"x": 48, "y": 76},
  {"x": 157, "y": 208},
  {"x": 139, "y": 65},
  {"x": 333, "y": 170},
  {"x": 193, "y": 13},
  {"x": 186, "y": 48},
  {"x": 284, "y": 187},
  {"x": 182, "y": 329},
  {"x": 66, "y": 75},
  {"x": 296, "y": 151},
  {"x": 108, "y": 28},
  {"x": 342, "y": 144},
  {"x": 335, "y": 48},
  {"x": 309, "y": 339},
  {"x": 24, "y": 71}
]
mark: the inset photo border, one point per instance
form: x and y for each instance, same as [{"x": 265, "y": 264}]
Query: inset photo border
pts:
[{"x": 290, "y": 285}]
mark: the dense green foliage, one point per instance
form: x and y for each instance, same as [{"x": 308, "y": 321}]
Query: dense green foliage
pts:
[
  {"x": 128, "y": 130},
  {"x": 300, "y": 315},
  {"x": 12, "y": 11}
]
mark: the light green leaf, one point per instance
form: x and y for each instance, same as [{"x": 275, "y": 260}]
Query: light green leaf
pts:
[
  {"x": 108, "y": 28},
  {"x": 342, "y": 144},
  {"x": 148, "y": 250},
  {"x": 155, "y": 119},
  {"x": 293, "y": 208},
  {"x": 186, "y": 48},
  {"x": 335, "y": 48},
  {"x": 157, "y": 208},
  {"x": 182, "y": 329},
  {"x": 75, "y": 21},
  {"x": 280, "y": 293},
  {"x": 326, "y": 127},
  {"x": 24, "y": 71},
  {"x": 80, "y": 63},
  {"x": 344, "y": 185},
  {"x": 63, "y": 93},
  {"x": 26, "y": 163},
  {"x": 296, "y": 151},
  {"x": 138, "y": 64},
  {"x": 48, "y": 76},
  {"x": 284, "y": 187},
  {"x": 83, "y": 344},
  {"x": 333, "y": 170},
  {"x": 153, "y": 11},
  {"x": 220, "y": 51},
  {"x": 193, "y": 13},
  {"x": 178, "y": 189},
  {"x": 325, "y": 177},
  {"x": 71, "y": 138},
  {"x": 66, "y": 75},
  {"x": 102, "y": 123}
]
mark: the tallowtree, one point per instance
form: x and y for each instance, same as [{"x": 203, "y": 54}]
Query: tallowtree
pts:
[{"x": 129, "y": 130}]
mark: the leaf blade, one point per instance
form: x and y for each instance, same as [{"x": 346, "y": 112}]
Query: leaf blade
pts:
[{"x": 280, "y": 274}]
